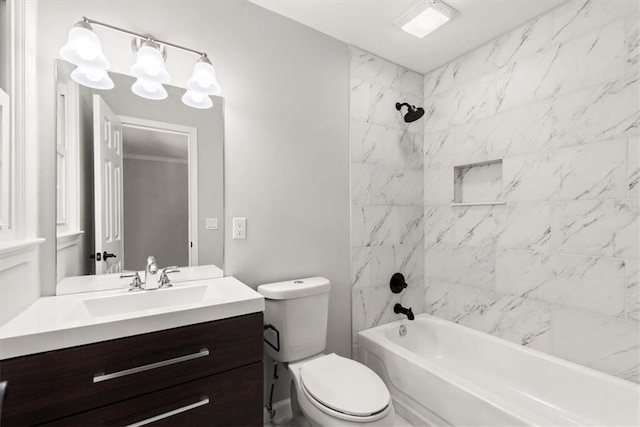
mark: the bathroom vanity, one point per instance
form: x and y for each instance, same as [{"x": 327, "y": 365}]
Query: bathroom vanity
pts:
[{"x": 195, "y": 363}]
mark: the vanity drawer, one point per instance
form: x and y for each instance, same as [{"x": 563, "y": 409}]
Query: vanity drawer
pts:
[
  {"x": 56, "y": 384},
  {"x": 227, "y": 399}
]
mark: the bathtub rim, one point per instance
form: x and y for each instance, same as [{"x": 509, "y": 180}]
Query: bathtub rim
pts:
[{"x": 380, "y": 329}]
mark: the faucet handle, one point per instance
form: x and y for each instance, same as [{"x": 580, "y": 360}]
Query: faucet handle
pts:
[
  {"x": 136, "y": 283},
  {"x": 164, "y": 280}
]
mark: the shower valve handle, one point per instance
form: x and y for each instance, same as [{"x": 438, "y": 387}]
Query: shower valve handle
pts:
[{"x": 397, "y": 283}]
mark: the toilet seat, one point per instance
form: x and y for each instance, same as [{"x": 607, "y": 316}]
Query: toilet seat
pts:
[{"x": 344, "y": 389}]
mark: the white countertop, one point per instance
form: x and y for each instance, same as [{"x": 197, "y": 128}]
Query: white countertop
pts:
[
  {"x": 102, "y": 282},
  {"x": 57, "y": 322}
]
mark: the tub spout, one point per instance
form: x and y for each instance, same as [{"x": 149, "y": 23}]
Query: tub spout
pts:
[{"x": 406, "y": 311}]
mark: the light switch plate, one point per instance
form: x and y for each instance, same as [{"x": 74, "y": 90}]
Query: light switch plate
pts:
[
  {"x": 239, "y": 228},
  {"x": 211, "y": 223}
]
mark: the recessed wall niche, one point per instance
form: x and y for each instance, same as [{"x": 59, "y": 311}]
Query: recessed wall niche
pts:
[{"x": 478, "y": 183}]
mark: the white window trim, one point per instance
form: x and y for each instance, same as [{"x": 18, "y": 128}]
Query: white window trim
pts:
[
  {"x": 6, "y": 203},
  {"x": 18, "y": 252},
  {"x": 68, "y": 239},
  {"x": 21, "y": 245},
  {"x": 62, "y": 154},
  {"x": 67, "y": 96}
]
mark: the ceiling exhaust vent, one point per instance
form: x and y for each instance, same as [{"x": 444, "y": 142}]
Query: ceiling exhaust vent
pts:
[{"x": 425, "y": 17}]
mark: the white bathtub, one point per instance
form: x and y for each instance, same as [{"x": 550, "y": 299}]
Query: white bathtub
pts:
[{"x": 441, "y": 373}]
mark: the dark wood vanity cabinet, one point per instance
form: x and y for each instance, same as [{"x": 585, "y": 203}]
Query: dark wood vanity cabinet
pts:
[{"x": 204, "y": 374}]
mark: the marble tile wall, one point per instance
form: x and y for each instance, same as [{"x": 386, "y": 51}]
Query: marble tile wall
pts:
[
  {"x": 386, "y": 190},
  {"x": 557, "y": 267}
]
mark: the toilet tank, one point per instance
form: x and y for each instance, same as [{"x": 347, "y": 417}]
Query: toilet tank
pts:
[{"x": 298, "y": 310}]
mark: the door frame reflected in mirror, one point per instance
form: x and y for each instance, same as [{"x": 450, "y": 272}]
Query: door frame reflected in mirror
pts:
[{"x": 191, "y": 133}]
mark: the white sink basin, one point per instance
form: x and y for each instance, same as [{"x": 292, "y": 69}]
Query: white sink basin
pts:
[
  {"x": 131, "y": 302},
  {"x": 105, "y": 282}
]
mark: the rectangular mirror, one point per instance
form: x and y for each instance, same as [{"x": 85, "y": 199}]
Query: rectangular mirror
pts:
[{"x": 135, "y": 178}]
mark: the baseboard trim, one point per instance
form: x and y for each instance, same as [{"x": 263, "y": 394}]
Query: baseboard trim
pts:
[{"x": 283, "y": 410}]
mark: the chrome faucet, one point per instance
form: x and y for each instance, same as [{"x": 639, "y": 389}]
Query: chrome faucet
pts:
[{"x": 151, "y": 268}]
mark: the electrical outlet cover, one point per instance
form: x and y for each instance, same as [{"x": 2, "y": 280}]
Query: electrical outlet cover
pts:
[{"x": 239, "y": 228}]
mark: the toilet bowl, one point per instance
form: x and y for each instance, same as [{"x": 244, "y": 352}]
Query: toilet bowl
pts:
[{"x": 329, "y": 390}]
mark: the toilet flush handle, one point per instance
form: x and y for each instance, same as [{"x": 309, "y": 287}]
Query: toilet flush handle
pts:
[{"x": 276, "y": 347}]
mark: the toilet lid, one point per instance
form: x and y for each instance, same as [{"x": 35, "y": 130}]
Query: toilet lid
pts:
[{"x": 344, "y": 385}]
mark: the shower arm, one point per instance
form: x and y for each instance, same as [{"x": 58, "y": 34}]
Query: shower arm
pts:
[{"x": 399, "y": 106}]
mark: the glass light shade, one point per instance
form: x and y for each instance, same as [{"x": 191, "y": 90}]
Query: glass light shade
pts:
[
  {"x": 150, "y": 65},
  {"x": 204, "y": 79},
  {"x": 96, "y": 78},
  {"x": 148, "y": 89},
  {"x": 83, "y": 48},
  {"x": 197, "y": 99}
]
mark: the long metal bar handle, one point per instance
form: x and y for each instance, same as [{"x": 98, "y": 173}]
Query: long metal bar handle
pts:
[
  {"x": 3, "y": 389},
  {"x": 104, "y": 377},
  {"x": 202, "y": 402}
]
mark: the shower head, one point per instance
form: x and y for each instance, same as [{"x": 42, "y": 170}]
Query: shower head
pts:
[{"x": 413, "y": 113}]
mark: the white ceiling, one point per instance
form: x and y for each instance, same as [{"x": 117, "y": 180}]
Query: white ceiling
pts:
[
  {"x": 154, "y": 143},
  {"x": 369, "y": 25}
]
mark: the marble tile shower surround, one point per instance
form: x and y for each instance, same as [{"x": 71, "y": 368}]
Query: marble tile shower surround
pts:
[
  {"x": 386, "y": 190},
  {"x": 557, "y": 267}
]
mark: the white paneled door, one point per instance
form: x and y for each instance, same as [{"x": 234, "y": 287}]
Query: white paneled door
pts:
[{"x": 107, "y": 149}]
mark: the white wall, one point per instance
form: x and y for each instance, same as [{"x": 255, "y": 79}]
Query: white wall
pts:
[
  {"x": 556, "y": 268},
  {"x": 69, "y": 261},
  {"x": 18, "y": 289},
  {"x": 286, "y": 95}
]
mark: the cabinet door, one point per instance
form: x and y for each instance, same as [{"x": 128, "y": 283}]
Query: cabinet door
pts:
[{"x": 233, "y": 398}]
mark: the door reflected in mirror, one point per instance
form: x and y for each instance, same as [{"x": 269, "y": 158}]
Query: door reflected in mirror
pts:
[{"x": 135, "y": 178}]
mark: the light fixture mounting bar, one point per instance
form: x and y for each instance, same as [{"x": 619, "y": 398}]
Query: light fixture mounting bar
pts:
[{"x": 142, "y": 36}]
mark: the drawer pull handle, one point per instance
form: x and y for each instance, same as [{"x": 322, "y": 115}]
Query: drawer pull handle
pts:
[
  {"x": 104, "y": 377},
  {"x": 204, "y": 401}
]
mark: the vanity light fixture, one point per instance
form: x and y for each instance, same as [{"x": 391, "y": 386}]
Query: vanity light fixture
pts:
[
  {"x": 425, "y": 16},
  {"x": 203, "y": 78},
  {"x": 149, "y": 63},
  {"x": 197, "y": 99},
  {"x": 92, "y": 77},
  {"x": 149, "y": 69},
  {"x": 84, "y": 50},
  {"x": 148, "y": 89},
  {"x": 202, "y": 83}
]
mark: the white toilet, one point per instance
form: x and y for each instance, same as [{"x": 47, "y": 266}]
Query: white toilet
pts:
[{"x": 329, "y": 390}]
